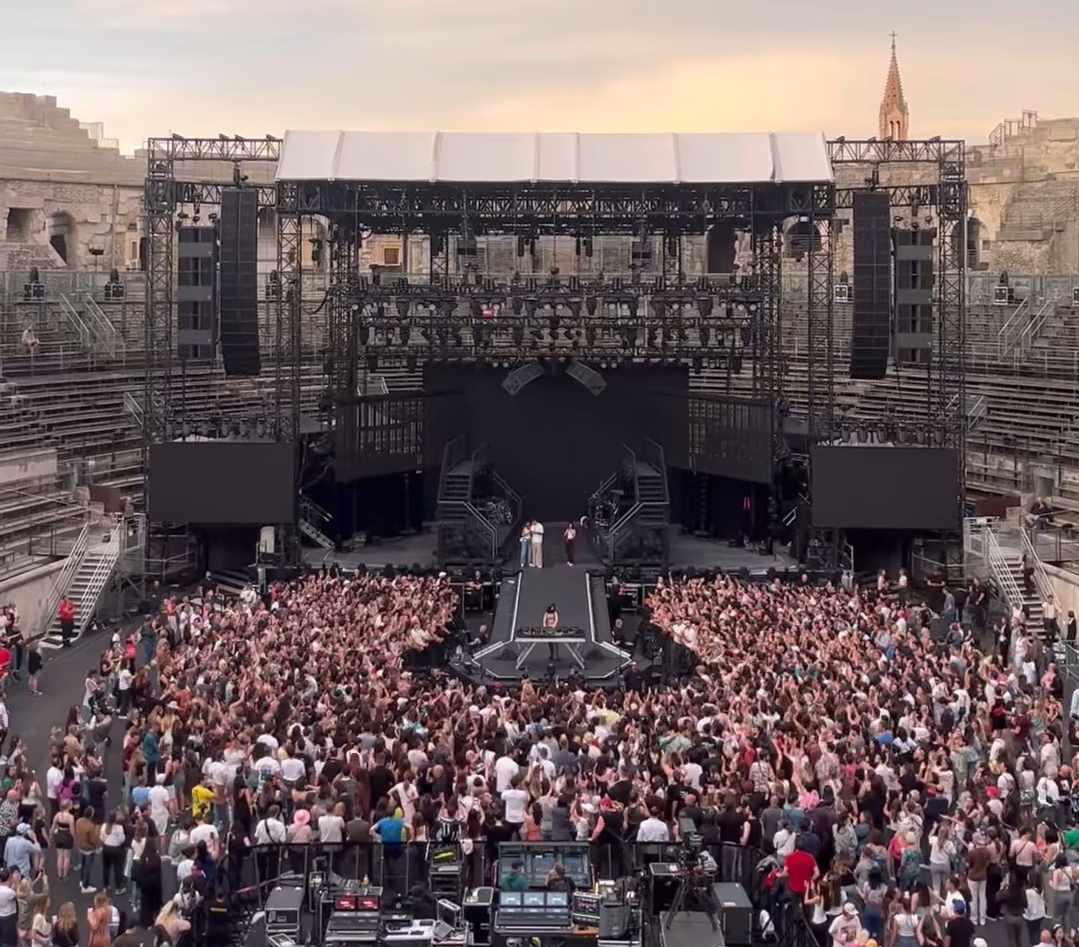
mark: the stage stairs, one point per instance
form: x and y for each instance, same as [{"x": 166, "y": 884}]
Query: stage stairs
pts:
[
  {"x": 994, "y": 550},
  {"x": 87, "y": 572},
  {"x": 639, "y": 534},
  {"x": 314, "y": 521},
  {"x": 478, "y": 512}
]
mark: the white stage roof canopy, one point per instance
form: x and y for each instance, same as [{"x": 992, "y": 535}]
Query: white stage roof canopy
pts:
[{"x": 542, "y": 157}]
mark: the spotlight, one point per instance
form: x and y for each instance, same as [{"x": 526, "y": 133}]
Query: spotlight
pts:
[
  {"x": 403, "y": 306},
  {"x": 590, "y": 305}
]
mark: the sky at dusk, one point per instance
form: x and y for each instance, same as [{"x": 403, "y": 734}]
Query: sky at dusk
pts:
[{"x": 199, "y": 67}]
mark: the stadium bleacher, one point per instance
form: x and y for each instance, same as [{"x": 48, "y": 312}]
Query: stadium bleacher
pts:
[{"x": 73, "y": 399}]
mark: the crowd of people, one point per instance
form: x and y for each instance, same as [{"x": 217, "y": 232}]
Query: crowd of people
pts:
[{"x": 897, "y": 784}]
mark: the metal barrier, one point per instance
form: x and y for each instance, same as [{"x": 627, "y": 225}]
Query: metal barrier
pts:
[{"x": 399, "y": 868}]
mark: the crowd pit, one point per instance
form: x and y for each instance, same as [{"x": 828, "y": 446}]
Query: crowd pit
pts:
[{"x": 901, "y": 788}]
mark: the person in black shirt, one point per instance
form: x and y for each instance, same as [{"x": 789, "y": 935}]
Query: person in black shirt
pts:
[
  {"x": 960, "y": 929},
  {"x": 558, "y": 880},
  {"x": 382, "y": 779},
  {"x": 730, "y": 823}
]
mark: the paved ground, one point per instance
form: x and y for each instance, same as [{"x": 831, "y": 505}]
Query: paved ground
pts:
[{"x": 31, "y": 719}]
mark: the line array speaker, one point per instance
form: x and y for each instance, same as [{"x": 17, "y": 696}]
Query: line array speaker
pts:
[
  {"x": 871, "y": 330},
  {"x": 239, "y": 281}
]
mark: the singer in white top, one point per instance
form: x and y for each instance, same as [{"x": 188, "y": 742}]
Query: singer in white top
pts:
[{"x": 537, "y": 544}]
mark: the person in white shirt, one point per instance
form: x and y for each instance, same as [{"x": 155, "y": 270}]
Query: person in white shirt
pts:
[
  {"x": 205, "y": 832},
  {"x": 159, "y": 804},
  {"x": 293, "y": 771},
  {"x": 505, "y": 771},
  {"x": 53, "y": 778},
  {"x": 331, "y": 827},
  {"x": 653, "y": 829},
  {"x": 537, "y": 544},
  {"x": 516, "y": 801}
]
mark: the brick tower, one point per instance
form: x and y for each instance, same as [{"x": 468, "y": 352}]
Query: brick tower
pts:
[{"x": 894, "y": 116}]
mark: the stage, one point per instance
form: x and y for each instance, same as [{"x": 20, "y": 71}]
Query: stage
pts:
[
  {"x": 686, "y": 551},
  {"x": 581, "y": 600}
]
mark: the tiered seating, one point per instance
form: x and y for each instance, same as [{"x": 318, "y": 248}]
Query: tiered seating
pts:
[{"x": 32, "y": 507}]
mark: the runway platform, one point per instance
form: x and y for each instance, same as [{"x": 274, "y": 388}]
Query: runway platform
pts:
[{"x": 581, "y": 601}]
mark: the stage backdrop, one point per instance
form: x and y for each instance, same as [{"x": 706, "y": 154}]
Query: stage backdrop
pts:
[
  {"x": 905, "y": 488},
  {"x": 554, "y": 441},
  {"x": 222, "y": 483}
]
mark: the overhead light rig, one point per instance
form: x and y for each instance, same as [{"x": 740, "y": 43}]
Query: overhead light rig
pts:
[{"x": 700, "y": 322}]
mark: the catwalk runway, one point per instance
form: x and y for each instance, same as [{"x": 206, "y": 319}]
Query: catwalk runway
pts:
[{"x": 582, "y": 604}]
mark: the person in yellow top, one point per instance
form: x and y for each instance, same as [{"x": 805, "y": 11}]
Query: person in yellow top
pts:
[{"x": 202, "y": 798}]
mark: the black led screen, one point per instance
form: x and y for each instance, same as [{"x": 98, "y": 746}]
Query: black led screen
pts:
[
  {"x": 554, "y": 441},
  {"x": 885, "y": 487},
  {"x": 222, "y": 482}
]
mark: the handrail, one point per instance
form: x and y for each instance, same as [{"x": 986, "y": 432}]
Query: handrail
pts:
[
  {"x": 96, "y": 583},
  {"x": 1005, "y": 342},
  {"x": 72, "y": 316},
  {"x": 1034, "y": 327},
  {"x": 1041, "y": 577},
  {"x": 512, "y": 495},
  {"x": 112, "y": 339},
  {"x": 487, "y": 525},
  {"x": 64, "y": 577},
  {"x": 134, "y": 407},
  {"x": 1002, "y": 572},
  {"x": 307, "y": 504}
]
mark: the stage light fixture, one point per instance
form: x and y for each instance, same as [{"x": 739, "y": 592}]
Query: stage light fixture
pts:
[
  {"x": 517, "y": 304},
  {"x": 590, "y": 305},
  {"x": 365, "y": 334},
  {"x": 403, "y": 306},
  {"x": 704, "y": 306}
]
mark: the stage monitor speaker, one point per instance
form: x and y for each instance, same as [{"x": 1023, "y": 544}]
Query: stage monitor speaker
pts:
[
  {"x": 239, "y": 281},
  {"x": 871, "y": 327}
]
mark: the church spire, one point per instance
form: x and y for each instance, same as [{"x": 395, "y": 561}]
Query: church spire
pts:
[{"x": 894, "y": 116}]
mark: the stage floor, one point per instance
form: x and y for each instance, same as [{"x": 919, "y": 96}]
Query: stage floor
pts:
[
  {"x": 686, "y": 551},
  {"x": 581, "y": 601}
]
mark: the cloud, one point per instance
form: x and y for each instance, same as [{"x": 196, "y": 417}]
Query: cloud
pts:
[{"x": 254, "y": 66}]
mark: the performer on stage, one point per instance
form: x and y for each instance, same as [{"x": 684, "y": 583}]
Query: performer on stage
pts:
[
  {"x": 537, "y": 544},
  {"x": 570, "y": 538},
  {"x": 526, "y": 544},
  {"x": 550, "y": 621}
]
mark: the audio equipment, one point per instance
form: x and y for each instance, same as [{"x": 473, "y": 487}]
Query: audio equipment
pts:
[
  {"x": 239, "y": 281},
  {"x": 871, "y": 324}
]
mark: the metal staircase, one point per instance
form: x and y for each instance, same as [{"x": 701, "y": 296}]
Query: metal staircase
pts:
[
  {"x": 314, "y": 520},
  {"x": 466, "y": 535},
  {"x": 639, "y": 535},
  {"x": 1002, "y": 548},
  {"x": 86, "y": 574}
]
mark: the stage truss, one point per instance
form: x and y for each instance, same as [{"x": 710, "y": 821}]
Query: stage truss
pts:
[
  {"x": 941, "y": 163},
  {"x": 456, "y": 313}
]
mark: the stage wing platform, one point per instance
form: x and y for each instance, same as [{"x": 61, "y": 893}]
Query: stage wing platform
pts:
[{"x": 581, "y": 600}]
